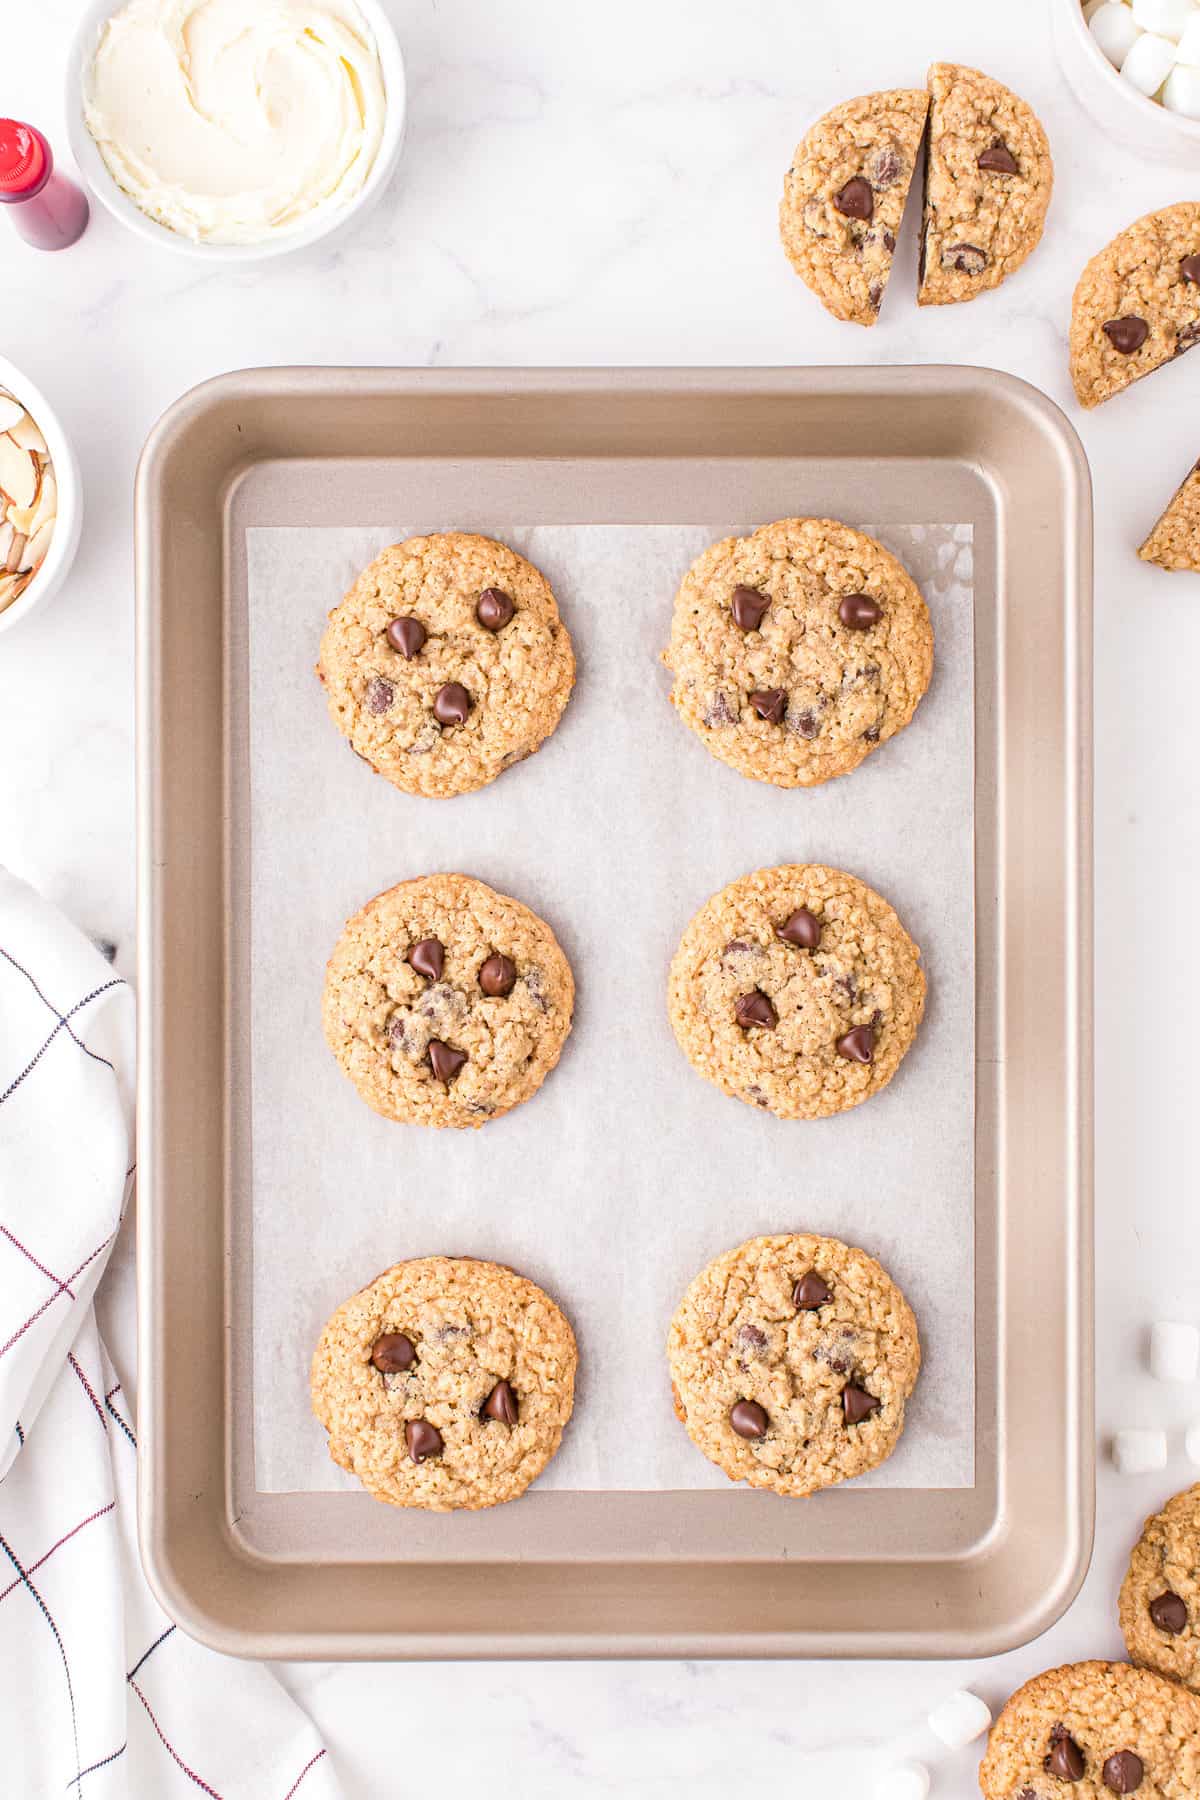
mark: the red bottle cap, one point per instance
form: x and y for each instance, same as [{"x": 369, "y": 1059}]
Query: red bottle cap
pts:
[{"x": 22, "y": 158}]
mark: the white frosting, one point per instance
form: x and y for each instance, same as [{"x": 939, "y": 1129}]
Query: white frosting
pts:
[{"x": 235, "y": 121}]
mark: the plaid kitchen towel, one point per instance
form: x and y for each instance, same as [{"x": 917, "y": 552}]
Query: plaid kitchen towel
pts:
[{"x": 103, "y": 1698}]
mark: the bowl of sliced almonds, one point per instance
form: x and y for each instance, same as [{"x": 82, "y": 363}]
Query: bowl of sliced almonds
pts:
[{"x": 41, "y": 511}]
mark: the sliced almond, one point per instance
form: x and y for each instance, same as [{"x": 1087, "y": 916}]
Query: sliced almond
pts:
[
  {"x": 34, "y": 554},
  {"x": 20, "y": 474},
  {"x": 16, "y": 551},
  {"x": 27, "y": 436},
  {"x": 12, "y": 413}
]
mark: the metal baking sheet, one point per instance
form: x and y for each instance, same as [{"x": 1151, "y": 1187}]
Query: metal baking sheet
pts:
[{"x": 965, "y": 1570}]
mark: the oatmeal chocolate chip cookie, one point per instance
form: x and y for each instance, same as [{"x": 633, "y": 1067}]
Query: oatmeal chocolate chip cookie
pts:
[
  {"x": 988, "y": 179},
  {"x": 1175, "y": 541},
  {"x": 843, "y": 199},
  {"x": 446, "y": 1003},
  {"x": 1093, "y": 1729},
  {"x": 791, "y": 1360},
  {"x": 1159, "y": 1608},
  {"x": 446, "y": 1383},
  {"x": 446, "y": 663},
  {"x": 1137, "y": 305},
  {"x": 798, "y": 650},
  {"x": 796, "y": 990}
]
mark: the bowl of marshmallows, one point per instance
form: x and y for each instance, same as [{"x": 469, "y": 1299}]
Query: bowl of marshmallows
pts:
[{"x": 1135, "y": 66}]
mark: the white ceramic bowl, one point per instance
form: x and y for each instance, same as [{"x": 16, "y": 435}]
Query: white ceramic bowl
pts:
[
  {"x": 69, "y": 519},
  {"x": 1122, "y": 112},
  {"x": 96, "y": 14}
]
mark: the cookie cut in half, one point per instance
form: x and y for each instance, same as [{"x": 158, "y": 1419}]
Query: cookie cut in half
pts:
[
  {"x": 446, "y": 1003},
  {"x": 797, "y": 991},
  {"x": 1175, "y": 541},
  {"x": 791, "y": 1360},
  {"x": 798, "y": 650},
  {"x": 446, "y": 663},
  {"x": 988, "y": 180},
  {"x": 844, "y": 196},
  {"x": 1092, "y": 1729},
  {"x": 446, "y": 1383},
  {"x": 1137, "y": 304},
  {"x": 1159, "y": 1607}
]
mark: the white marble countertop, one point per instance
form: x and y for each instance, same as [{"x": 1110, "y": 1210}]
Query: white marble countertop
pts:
[{"x": 599, "y": 186}]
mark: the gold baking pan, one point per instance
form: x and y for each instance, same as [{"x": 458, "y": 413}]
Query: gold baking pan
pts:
[{"x": 853, "y": 1572}]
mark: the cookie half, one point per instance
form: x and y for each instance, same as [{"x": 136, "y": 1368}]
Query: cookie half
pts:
[
  {"x": 798, "y": 650},
  {"x": 844, "y": 196},
  {"x": 988, "y": 180},
  {"x": 1159, "y": 1607},
  {"x": 1093, "y": 1729},
  {"x": 447, "y": 1003},
  {"x": 445, "y": 1384},
  {"x": 796, "y": 990},
  {"x": 1137, "y": 304},
  {"x": 1175, "y": 541},
  {"x": 791, "y": 1361},
  {"x": 447, "y": 663}
]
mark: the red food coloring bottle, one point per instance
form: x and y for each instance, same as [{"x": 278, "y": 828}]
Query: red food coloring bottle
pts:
[{"x": 50, "y": 211}]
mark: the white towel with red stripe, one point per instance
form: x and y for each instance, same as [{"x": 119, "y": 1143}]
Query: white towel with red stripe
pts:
[{"x": 103, "y": 1697}]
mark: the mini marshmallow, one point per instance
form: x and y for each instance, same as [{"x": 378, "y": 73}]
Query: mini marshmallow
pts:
[
  {"x": 1115, "y": 30},
  {"x": 1166, "y": 17},
  {"x": 1148, "y": 63},
  {"x": 1191, "y": 1444},
  {"x": 1137, "y": 1452},
  {"x": 1182, "y": 95},
  {"x": 907, "y": 1781},
  {"x": 960, "y": 1719},
  {"x": 1189, "y": 44},
  {"x": 1174, "y": 1349},
  {"x": 1092, "y": 8}
]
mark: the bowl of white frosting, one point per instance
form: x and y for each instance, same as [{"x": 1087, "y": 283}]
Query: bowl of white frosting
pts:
[{"x": 234, "y": 130}]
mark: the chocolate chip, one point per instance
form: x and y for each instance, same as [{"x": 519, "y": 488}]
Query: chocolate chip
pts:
[
  {"x": 428, "y": 958},
  {"x": 999, "y": 160},
  {"x": 501, "y": 1404},
  {"x": 1189, "y": 269},
  {"x": 889, "y": 242},
  {"x": 856, "y": 201},
  {"x": 806, "y": 724},
  {"x": 801, "y": 928},
  {"x": 810, "y": 1292},
  {"x": 857, "y": 1404},
  {"x": 1127, "y": 334},
  {"x": 755, "y": 1009},
  {"x": 749, "y": 608},
  {"x": 875, "y": 295},
  {"x": 407, "y": 635},
  {"x": 719, "y": 712},
  {"x": 393, "y": 1353},
  {"x": 858, "y": 1045},
  {"x": 770, "y": 704},
  {"x": 423, "y": 1439},
  {"x": 749, "y": 1420},
  {"x": 969, "y": 259},
  {"x": 1169, "y": 1613},
  {"x": 859, "y": 612},
  {"x": 494, "y": 609},
  {"x": 498, "y": 976},
  {"x": 379, "y": 695},
  {"x": 444, "y": 1061},
  {"x": 451, "y": 704},
  {"x": 884, "y": 165},
  {"x": 750, "y": 1338},
  {"x": 1123, "y": 1772},
  {"x": 1187, "y": 337},
  {"x": 1066, "y": 1759}
]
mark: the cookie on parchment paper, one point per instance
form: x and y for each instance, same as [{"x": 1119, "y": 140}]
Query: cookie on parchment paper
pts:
[
  {"x": 446, "y": 1383},
  {"x": 791, "y": 1361}
]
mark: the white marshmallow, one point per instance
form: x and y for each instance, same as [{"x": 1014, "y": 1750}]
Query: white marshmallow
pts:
[
  {"x": 1137, "y": 1452},
  {"x": 1191, "y": 1444},
  {"x": 1093, "y": 7},
  {"x": 1115, "y": 30},
  {"x": 960, "y": 1719},
  {"x": 907, "y": 1781},
  {"x": 1189, "y": 44},
  {"x": 1174, "y": 1349},
  {"x": 1148, "y": 63},
  {"x": 1182, "y": 92},
  {"x": 1166, "y": 17}
]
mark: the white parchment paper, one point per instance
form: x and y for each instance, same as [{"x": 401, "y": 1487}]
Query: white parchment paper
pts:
[{"x": 626, "y": 1172}]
